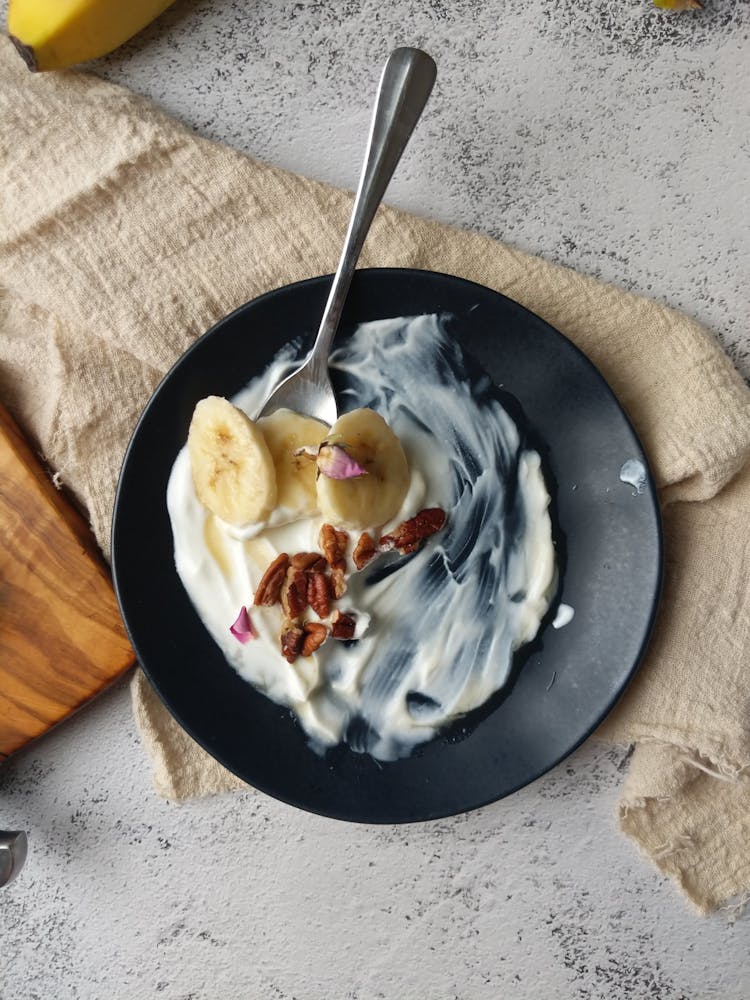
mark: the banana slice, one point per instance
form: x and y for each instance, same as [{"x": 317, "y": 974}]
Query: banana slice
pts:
[
  {"x": 371, "y": 500},
  {"x": 285, "y": 432},
  {"x": 233, "y": 472}
]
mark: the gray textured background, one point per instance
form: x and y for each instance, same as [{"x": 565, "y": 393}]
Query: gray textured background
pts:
[{"x": 600, "y": 134}]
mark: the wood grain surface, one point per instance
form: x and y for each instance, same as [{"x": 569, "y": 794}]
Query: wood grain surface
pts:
[{"x": 61, "y": 635}]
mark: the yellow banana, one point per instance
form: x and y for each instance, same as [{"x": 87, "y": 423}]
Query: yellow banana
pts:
[
  {"x": 233, "y": 471},
  {"x": 54, "y": 34},
  {"x": 371, "y": 500},
  {"x": 286, "y": 432}
]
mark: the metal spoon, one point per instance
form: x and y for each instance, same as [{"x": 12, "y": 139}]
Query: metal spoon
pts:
[
  {"x": 13, "y": 850},
  {"x": 405, "y": 85}
]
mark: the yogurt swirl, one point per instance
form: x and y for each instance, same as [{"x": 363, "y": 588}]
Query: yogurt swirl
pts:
[{"x": 443, "y": 623}]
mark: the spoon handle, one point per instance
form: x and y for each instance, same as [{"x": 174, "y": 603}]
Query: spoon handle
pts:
[
  {"x": 405, "y": 85},
  {"x": 13, "y": 848}
]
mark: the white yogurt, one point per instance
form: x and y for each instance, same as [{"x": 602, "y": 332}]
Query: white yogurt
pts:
[
  {"x": 443, "y": 623},
  {"x": 564, "y": 616},
  {"x": 633, "y": 473}
]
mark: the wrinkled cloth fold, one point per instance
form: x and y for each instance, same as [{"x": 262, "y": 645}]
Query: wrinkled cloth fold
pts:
[{"x": 123, "y": 237}]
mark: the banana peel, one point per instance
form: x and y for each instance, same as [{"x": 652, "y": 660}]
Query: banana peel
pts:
[
  {"x": 679, "y": 4},
  {"x": 56, "y": 34}
]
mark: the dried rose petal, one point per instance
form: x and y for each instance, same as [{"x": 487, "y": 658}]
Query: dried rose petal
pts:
[
  {"x": 243, "y": 629},
  {"x": 334, "y": 463}
]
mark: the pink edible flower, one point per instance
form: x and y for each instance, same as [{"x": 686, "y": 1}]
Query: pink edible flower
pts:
[
  {"x": 243, "y": 629},
  {"x": 334, "y": 463}
]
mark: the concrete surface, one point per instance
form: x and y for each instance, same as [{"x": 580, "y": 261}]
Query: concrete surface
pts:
[{"x": 604, "y": 135}]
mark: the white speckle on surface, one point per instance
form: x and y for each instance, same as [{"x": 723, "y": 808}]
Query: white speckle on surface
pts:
[
  {"x": 564, "y": 616},
  {"x": 633, "y": 473}
]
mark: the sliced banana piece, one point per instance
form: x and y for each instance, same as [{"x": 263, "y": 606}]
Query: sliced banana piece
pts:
[
  {"x": 286, "y": 432},
  {"x": 233, "y": 471},
  {"x": 371, "y": 500}
]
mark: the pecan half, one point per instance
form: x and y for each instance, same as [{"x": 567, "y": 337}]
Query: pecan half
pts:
[
  {"x": 333, "y": 543},
  {"x": 343, "y": 625},
  {"x": 409, "y": 535},
  {"x": 364, "y": 551},
  {"x": 319, "y": 594},
  {"x": 338, "y": 582},
  {"x": 292, "y": 638},
  {"x": 294, "y": 592},
  {"x": 306, "y": 560},
  {"x": 269, "y": 588},
  {"x": 315, "y": 635}
]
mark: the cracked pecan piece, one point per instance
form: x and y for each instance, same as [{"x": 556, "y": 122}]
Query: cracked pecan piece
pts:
[
  {"x": 364, "y": 551},
  {"x": 294, "y": 593},
  {"x": 409, "y": 535},
  {"x": 319, "y": 594},
  {"x": 315, "y": 635},
  {"x": 343, "y": 625},
  {"x": 292, "y": 639},
  {"x": 338, "y": 582},
  {"x": 333, "y": 543},
  {"x": 269, "y": 588},
  {"x": 307, "y": 560}
]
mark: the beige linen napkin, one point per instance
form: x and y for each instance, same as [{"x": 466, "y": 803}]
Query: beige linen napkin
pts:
[{"x": 123, "y": 237}]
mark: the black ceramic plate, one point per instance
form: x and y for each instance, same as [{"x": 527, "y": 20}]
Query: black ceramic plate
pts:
[{"x": 565, "y": 683}]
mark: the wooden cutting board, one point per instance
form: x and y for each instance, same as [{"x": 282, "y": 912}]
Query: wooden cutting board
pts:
[{"x": 61, "y": 635}]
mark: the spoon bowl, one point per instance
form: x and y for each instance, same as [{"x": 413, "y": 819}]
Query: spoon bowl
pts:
[
  {"x": 13, "y": 850},
  {"x": 405, "y": 86}
]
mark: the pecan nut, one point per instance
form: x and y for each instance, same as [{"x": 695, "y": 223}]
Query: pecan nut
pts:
[
  {"x": 315, "y": 635},
  {"x": 306, "y": 560},
  {"x": 338, "y": 582},
  {"x": 269, "y": 588},
  {"x": 294, "y": 593},
  {"x": 292, "y": 638},
  {"x": 364, "y": 551},
  {"x": 343, "y": 625},
  {"x": 409, "y": 535},
  {"x": 319, "y": 594},
  {"x": 333, "y": 543}
]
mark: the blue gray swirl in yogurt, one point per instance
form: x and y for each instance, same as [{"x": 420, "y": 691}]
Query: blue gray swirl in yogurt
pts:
[{"x": 443, "y": 623}]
